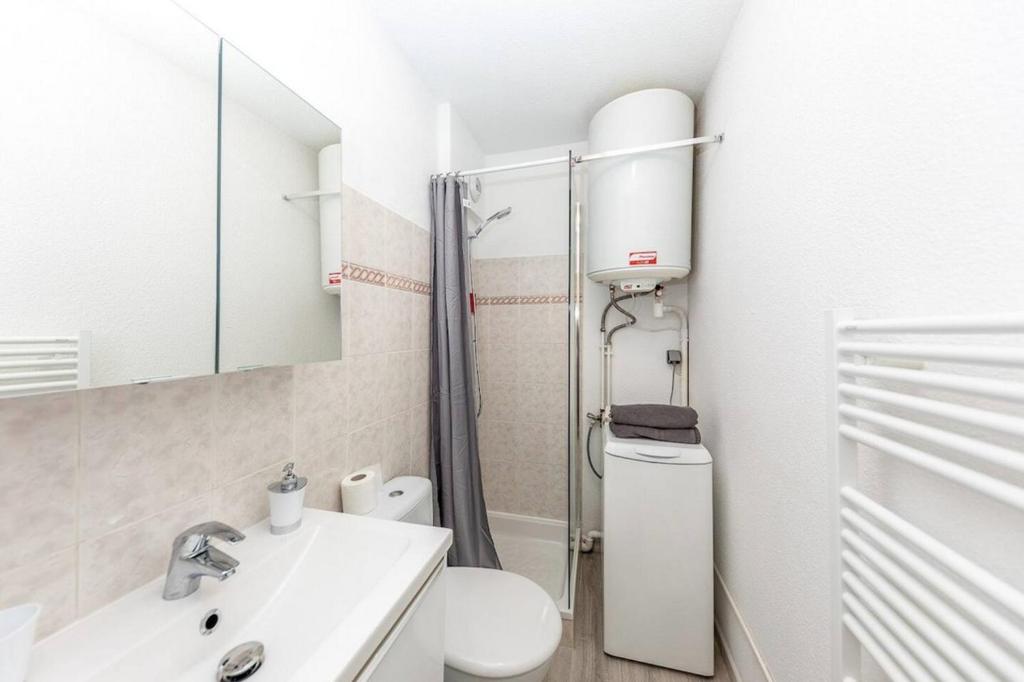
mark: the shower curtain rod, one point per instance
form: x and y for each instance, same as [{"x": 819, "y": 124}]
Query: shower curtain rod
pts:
[{"x": 691, "y": 142}]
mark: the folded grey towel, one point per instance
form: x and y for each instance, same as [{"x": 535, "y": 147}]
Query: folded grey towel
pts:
[
  {"x": 655, "y": 416},
  {"x": 688, "y": 436}
]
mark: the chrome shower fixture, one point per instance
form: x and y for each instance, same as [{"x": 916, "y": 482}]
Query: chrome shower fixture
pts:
[{"x": 503, "y": 213}]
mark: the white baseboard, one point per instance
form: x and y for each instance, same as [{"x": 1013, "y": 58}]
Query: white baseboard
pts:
[
  {"x": 745, "y": 662},
  {"x": 727, "y": 657}
]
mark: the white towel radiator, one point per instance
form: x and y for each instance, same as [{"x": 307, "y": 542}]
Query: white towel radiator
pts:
[
  {"x": 920, "y": 609},
  {"x": 41, "y": 364}
]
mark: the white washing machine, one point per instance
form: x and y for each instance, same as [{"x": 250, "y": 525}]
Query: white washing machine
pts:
[{"x": 658, "y": 570}]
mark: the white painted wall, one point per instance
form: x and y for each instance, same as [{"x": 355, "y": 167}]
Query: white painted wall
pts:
[
  {"x": 873, "y": 157},
  {"x": 108, "y": 183},
  {"x": 457, "y": 147},
  {"x": 335, "y": 55}
]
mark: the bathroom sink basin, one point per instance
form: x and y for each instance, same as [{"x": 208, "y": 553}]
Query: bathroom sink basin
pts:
[{"x": 320, "y": 600}]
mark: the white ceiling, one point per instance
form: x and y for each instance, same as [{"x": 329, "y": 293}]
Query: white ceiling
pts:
[{"x": 531, "y": 73}]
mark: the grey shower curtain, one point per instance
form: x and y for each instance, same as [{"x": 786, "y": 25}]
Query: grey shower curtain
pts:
[{"x": 454, "y": 451}]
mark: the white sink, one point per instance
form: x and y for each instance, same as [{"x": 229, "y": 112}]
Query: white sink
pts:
[{"x": 320, "y": 600}]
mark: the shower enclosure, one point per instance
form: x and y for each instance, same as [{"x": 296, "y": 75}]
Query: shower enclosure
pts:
[{"x": 525, "y": 274}]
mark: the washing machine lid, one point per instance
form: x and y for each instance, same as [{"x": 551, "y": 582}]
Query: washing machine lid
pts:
[{"x": 654, "y": 451}]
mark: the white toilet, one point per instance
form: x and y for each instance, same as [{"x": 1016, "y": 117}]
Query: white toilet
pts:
[{"x": 498, "y": 625}]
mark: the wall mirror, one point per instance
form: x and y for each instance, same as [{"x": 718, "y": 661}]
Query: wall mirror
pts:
[
  {"x": 124, "y": 256},
  {"x": 107, "y": 195},
  {"x": 280, "y": 223}
]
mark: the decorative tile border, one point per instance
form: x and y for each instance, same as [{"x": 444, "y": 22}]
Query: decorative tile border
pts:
[
  {"x": 353, "y": 272},
  {"x": 522, "y": 300},
  {"x": 407, "y": 284}
]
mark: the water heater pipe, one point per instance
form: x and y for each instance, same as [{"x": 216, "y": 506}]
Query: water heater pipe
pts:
[{"x": 606, "y": 346}]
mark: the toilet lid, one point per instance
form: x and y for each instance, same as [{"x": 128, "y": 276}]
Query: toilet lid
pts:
[{"x": 498, "y": 624}]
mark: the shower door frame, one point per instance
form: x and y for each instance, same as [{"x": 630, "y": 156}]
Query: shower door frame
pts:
[{"x": 574, "y": 497}]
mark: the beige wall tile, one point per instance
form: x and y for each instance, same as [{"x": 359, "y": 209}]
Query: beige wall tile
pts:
[
  {"x": 243, "y": 502},
  {"x": 397, "y": 320},
  {"x": 503, "y": 325},
  {"x": 330, "y": 455},
  {"x": 400, "y": 245},
  {"x": 419, "y": 427},
  {"x": 543, "y": 403},
  {"x": 324, "y": 490},
  {"x": 420, "y": 254},
  {"x": 321, "y": 404},
  {"x": 254, "y": 426},
  {"x": 115, "y": 564},
  {"x": 482, "y": 320},
  {"x": 503, "y": 276},
  {"x": 419, "y": 378},
  {"x": 543, "y": 443},
  {"x": 540, "y": 490},
  {"x": 368, "y": 446},
  {"x": 533, "y": 323},
  {"x": 38, "y": 453},
  {"x": 398, "y": 381},
  {"x": 498, "y": 363},
  {"x": 419, "y": 310},
  {"x": 398, "y": 446},
  {"x": 483, "y": 275},
  {"x": 364, "y": 331},
  {"x": 497, "y": 439},
  {"x": 543, "y": 323},
  {"x": 499, "y": 485},
  {"x": 542, "y": 362},
  {"x": 500, "y": 401},
  {"x": 365, "y": 389},
  {"x": 144, "y": 448},
  {"x": 50, "y": 582}
]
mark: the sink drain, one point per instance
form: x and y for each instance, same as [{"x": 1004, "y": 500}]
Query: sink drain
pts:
[{"x": 241, "y": 663}]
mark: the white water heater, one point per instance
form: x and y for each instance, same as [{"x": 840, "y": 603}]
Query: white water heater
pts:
[{"x": 640, "y": 204}]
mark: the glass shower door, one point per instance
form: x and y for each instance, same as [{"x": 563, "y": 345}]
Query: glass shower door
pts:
[{"x": 522, "y": 267}]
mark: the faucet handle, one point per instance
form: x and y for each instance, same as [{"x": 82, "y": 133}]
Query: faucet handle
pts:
[
  {"x": 195, "y": 540},
  {"x": 216, "y": 529}
]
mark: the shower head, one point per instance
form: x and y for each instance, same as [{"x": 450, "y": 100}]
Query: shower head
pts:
[{"x": 503, "y": 213}]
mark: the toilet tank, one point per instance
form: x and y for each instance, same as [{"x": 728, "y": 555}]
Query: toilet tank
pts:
[{"x": 405, "y": 498}]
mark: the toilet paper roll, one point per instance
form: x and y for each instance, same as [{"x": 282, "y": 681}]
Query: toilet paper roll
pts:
[{"x": 359, "y": 492}]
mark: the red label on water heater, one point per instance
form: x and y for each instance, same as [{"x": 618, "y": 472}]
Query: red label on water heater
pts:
[
  {"x": 643, "y": 257},
  {"x": 333, "y": 278}
]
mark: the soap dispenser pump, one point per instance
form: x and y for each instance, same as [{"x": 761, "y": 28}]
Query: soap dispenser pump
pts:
[{"x": 286, "y": 497}]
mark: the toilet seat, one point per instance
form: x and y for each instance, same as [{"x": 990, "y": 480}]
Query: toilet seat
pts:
[{"x": 498, "y": 624}]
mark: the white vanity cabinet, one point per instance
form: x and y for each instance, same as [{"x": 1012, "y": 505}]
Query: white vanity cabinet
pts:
[{"x": 414, "y": 649}]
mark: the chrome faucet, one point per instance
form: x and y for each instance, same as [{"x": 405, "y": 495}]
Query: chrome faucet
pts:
[{"x": 193, "y": 557}]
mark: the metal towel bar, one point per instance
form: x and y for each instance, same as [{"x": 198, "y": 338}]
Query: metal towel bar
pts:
[
  {"x": 920, "y": 609},
  {"x": 41, "y": 364}
]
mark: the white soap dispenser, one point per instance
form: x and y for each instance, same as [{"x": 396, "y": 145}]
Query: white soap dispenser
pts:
[{"x": 286, "y": 497}]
